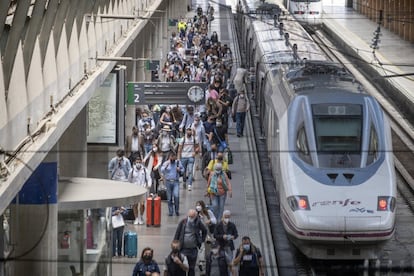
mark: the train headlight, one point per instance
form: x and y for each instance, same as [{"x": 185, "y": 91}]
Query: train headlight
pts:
[
  {"x": 298, "y": 202},
  {"x": 386, "y": 203}
]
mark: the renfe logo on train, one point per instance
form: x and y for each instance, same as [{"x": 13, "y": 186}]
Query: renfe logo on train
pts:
[{"x": 342, "y": 203}]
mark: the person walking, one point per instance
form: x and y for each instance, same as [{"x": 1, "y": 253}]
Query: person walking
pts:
[
  {"x": 191, "y": 233},
  {"x": 146, "y": 265},
  {"x": 209, "y": 220},
  {"x": 141, "y": 176},
  {"x": 119, "y": 166},
  {"x": 117, "y": 231},
  {"x": 226, "y": 232},
  {"x": 176, "y": 263},
  {"x": 187, "y": 150},
  {"x": 153, "y": 161},
  {"x": 166, "y": 142},
  {"x": 239, "y": 109},
  {"x": 200, "y": 134},
  {"x": 133, "y": 145},
  {"x": 147, "y": 138},
  {"x": 171, "y": 169},
  {"x": 250, "y": 259},
  {"x": 219, "y": 159},
  {"x": 218, "y": 187},
  {"x": 188, "y": 119},
  {"x": 218, "y": 262}
]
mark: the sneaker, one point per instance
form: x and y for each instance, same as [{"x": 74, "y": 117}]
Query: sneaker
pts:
[
  {"x": 136, "y": 221},
  {"x": 189, "y": 187},
  {"x": 141, "y": 220}
]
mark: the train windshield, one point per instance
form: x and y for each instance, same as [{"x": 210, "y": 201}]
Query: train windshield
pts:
[{"x": 338, "y": 128}]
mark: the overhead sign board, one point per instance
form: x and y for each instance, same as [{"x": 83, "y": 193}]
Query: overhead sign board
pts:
[{"x": 163, "y": 92}]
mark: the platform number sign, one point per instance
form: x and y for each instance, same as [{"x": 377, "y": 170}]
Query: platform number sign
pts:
[{"x": 135, "y": 94}]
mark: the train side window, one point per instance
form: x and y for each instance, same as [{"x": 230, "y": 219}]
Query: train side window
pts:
[
  {"x": 302, "y": 146},
  {"x": 373, "y": 146}
]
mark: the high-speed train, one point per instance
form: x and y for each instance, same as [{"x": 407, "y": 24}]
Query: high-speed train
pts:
[
  {"x": 306, "y": 11},
  {"x": 328, "y": 142}
]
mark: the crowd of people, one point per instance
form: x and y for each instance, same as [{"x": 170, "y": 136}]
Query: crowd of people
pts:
[{"x": 171, "y": 143}]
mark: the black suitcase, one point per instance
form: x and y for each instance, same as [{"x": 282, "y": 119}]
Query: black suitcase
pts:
[
  {"x": 162, "y": 192},
  {"x": 128, "y": 214}
]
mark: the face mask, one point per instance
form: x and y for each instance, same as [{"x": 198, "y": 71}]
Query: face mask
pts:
[
  {"x": 246, "y": 247},
  {"x": 154, "y": 149},
  {"x": 218, "y": 124},
  {"x": 168, "y": 110},
  {"x": 214, "y": 251},
  {"x": 147, "y": 257},
  {"x": 175, "y": 250},
  {"x": 138, "y": 165},
  {"x": 242, "y": 96},
  {"x": 198, "y": 208},
  {"x": 226, "y": 220}
]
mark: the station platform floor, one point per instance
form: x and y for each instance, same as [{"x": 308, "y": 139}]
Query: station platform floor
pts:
[
  {"x": 393, "y": 62},
  {"x": 247, "y": 205}
]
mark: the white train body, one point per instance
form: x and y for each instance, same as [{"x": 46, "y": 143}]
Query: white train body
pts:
[
  {"x": 306, "y": 11},
  {"x": 329, "y": 145}
]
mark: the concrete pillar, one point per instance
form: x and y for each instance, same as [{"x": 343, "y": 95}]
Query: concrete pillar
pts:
[
  {"x": 149, "y": 50},
  {"x": 141, "y": 67},
  {"x": 2, "y": 248},
  {"x": 33, "y": 223},
  {"x": 73, "y": 148}
]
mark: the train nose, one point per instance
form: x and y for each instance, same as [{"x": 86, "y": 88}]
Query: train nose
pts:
[{"x": 343, "y": 226}]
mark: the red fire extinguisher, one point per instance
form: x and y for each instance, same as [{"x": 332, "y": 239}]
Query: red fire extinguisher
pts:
[{"x": 65, "y": 242}]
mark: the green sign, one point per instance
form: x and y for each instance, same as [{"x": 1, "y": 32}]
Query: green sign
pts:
[{"x": 152, "y": 65}]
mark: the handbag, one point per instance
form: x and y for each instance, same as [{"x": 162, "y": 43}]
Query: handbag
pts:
[
  {"x": 228, "y": 174},
  {"x": 117, "y": 221},
  {"x": 162, "y": 192},
  {"x": 229, "y": 156}
]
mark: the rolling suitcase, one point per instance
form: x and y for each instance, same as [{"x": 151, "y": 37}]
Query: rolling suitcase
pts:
[
  {"x": 130, "y": 244},
  {"x": 154, "y": 211}
]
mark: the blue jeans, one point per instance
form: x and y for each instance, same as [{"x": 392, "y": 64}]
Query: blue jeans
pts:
[
  {"x": 240, "y": 120},
  {"x": 188, "y": 164},
  {"x": 147, "y": 148},
  {"x": 217, "y": 202},
  {"x": 173, "y": 193},
  {"x": 117, "y": 241}
]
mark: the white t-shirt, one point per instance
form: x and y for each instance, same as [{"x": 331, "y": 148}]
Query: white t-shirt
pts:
[{"x": 188, "y": 146}]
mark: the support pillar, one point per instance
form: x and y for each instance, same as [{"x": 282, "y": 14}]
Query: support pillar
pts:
[
  {"x": 33, "y": 224},
  {"x": 73, "y": 148}
]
